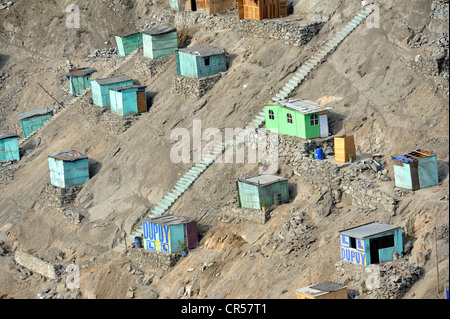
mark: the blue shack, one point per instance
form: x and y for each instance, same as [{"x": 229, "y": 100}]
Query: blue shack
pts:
[
  {"x": 9, "y": 146},
  {"x": 370, "y": 243},
  {"x": 200, "y": 61},
  {"x": 80, "y": 80},
  {"x": 416, "y": 170},
  {"x": 128, "y": 42},
  {"x": 33, "y": 120},
  {"x": 263, "y": 191},
  {"x": 68, "y": 169},
  {"x": 170, "y": 234},
  {"x": 128, "y": 100},
  {"x": 159, "y": 41},
  {"x": 101, "y": 87}
]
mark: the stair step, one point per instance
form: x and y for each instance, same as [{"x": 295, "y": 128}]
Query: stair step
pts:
[
  {"x": 165, "y": 207},
  {"x": 201, "y": 165},
  {"x": 196, "y": 169},
  {"x": 181, "y": 189},
  {"x": 281, "y": 96},
  {"x": 263, "y": 113},
  {"x": 159, "y": 209},
  {"x": 193, "y": 174},
  {"x": 175, "y": 194},
  {"x": 171, "y": 198},
  {"x": 260, "y": 117},
  {"x": 167, "y": 202},
  {"x": 291, "y": 85},
  {"x": 156, "y": 213}
]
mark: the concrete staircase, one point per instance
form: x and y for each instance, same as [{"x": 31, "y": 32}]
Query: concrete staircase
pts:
[
  {"x": 186, "y": 181},
  {"x": 76, "y": 99}
]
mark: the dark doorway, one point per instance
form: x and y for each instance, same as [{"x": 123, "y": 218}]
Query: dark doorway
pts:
[
  {"x": 193, "y": 5},
  {"x": 380, "y": 243}
]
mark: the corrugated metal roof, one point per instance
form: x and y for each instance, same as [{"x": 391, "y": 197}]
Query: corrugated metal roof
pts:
[
  {"x": 327, "y": 286},
  {"x": 7, "y": 134},
  {"x": 160, "y": 29},
  {"x": 128, "y": 87},
  {"x": 81, "y": 73},
  {"x": 168, "y": 220},
  {"x": 302, "y": 106},
  {"x": 111, "y": 80},
  {"x": 368, "y": 230},
  {"x": 203, "y": 50},
  {"x": 71, "y": 156},
  {"x": 128, "y": 33},
  {"x": 263, "y": 180},
  {"x": 34, "y": 113}
]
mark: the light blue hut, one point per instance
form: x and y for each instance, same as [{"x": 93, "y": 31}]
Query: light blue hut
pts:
[
  {"x": 371, "y": 243},
  {"x": 200, "y": 61},
  {"x": 416, "y": 170},
  {"x": 261, "y": 191},
  {"x": 101, "y": 87},
  {"x": 128, "y": 100},
  {"x": 160, "y": 41},
  {"x": 33, "y": 120},
  {"x": 68, "y": 169},
  {"x": 80, "y": 80},
  {"x": 128, "y": 42},
  {"x": 9, "y": 146}
]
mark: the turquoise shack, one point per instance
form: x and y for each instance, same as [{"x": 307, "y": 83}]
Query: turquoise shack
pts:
[
  {"x": 159, "y": 41},
  {"x": 416, "y": 170},
  {"x": 101, "y": 87},
  {"x": 263, "y": 191},
  {"x": 33, "y": 120},
  {"x": 80, "y": 80},
  {"x": 170, "y": 234},
  {"x": 128, "y": 42},
  {"x": 128, "y": 100},
  {"x": 68, "y": 169},
  {"x": 200, "y": 61},
  {"x": 300, "y": 118},
  {"x": 9, "y": 146},
  {"x": 370, "y": 243}
]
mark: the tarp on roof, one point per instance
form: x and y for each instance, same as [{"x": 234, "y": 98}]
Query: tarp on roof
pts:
[{"x": 71, "y": 156}]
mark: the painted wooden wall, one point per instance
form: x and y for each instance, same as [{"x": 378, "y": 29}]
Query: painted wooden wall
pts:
[
  {"x": 160, "y": 46},
  {"x": 196, "y": 66},
  {"x": 428, "y": 172},
  {"x": 163, "y": 238},
  {"x": 126, "y": 45},
  {"x": 79, "y": 84},
  {"x": 125, "y": 102},
  {"x": 257, "y": 197},
  {"x": 67, "y": 174},
  {"x": 32, "y": 124},
  {"x": 100, "y": 93},
  {"x": 9, "y": 149}
]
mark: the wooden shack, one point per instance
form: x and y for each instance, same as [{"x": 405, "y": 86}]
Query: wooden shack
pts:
[
  {"x": 183, "y": 5},
  {"x": 9, "y": 146},
  {"x": 262, "y": 9},
  {"x": 200, "y": 61},
  {"x": 68, "y": 169},
  {"x": 300, "y": 118},
  {"x": 215, "y": 6},
  {"x": 416, "y": 170},
  {"x": 261, "y": 191},
  {"x": 370, "y": 243},
  {"x": 101, "y": 87},
  {"x": 323, "y": 290},
  {"x": 33, "y": 120},
  {"x": 128, "y": 42},
  {"x": 344, "y": 148},
  {"x": 170, "y": 234},
  {"x": 128, "y": 100},
  {"x": 159, "y": 41},
  {"x": 80, "y": 80}
]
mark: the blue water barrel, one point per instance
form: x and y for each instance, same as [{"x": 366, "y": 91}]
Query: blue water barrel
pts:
[
  {"x": 138, "y": 242},
  {"x": 320, "y": 155}
]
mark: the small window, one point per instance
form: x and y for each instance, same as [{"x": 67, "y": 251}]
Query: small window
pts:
[
  {"x": 352, "y": 242},
  {"x": 207, "y": 62},
  {"x": 314, "y": 120},
  {"x": 289, "y": 119},
  {"x": 271, "y": 115}
]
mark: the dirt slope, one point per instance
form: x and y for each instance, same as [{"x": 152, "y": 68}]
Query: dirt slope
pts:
[{"x": 389, "y": 106}]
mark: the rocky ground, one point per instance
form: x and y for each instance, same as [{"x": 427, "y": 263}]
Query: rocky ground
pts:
[{"x": 381, "y": 83}]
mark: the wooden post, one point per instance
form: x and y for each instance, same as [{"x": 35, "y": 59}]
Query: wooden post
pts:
[
  {"x": 49, "y": 93},
  {"x": 437, "y": 260}
]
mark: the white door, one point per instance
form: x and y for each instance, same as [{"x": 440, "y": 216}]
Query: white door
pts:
[{"x": 323, "y": 121}]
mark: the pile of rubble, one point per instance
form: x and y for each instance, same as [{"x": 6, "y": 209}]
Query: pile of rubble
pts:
[
  {"x": 3, "y": 77},
  {"x": 103, "y": 53},
  {"x": 6, "y": 171}
]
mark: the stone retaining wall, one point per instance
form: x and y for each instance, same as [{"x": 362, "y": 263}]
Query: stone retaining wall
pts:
[
  {"x": 150, "y": 260},
  {"x": 189, "y": 87},
  {"x": 236, "y": 215},
  {"x": 36, "y": 265}
]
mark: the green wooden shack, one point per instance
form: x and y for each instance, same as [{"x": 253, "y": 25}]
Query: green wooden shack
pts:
[
  {"x": 33, "y": 120},
  {"x": 416, "y": 170},
  {"x": 200, "y": 61},
  {"x": 128, "y": 100},
  {"x": 9, "y": 146},
  {"x": 300, "y": 118},
  {"x": 263, "y": 191},
  {"x": 128, "y": 42},
  {"x": 159, "y": 41},
  {"x": 68, "y": 169},
  {"x": 101, "y": 87},
  {"x": 80, "y": 80}
]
